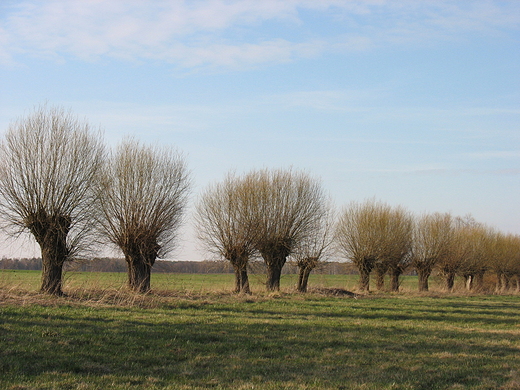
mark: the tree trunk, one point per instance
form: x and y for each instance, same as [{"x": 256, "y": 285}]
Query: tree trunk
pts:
[
  {"x": 241, "y": 280},
  {"x": 498, "y": 287},
  {"x": 450, "y": 280},
  {"x": 52, "y": 273},
  {"x": 479, "y": 281},
  {"x": 274, "y": 260},
  {"x": 380, "y": 280},
  {"x": 274, "y": 272},
  {"x": 139, "y": 272},
  {"x": 423, "y": 275},
  {"x": 505, "y": 282},
  {"x": 364, "y": 280},
  {"x": 380, "y": 268},
  {"x": 52, "y": 238},
  {"x": 303, "y": 279},
  {"x": 244, "y": 287},
  {"x": 53, "y": 244},
  {"x": 394, "y": 280},
  {"x": 238, "y": 280},
  {"x": 468, "y": 282}
]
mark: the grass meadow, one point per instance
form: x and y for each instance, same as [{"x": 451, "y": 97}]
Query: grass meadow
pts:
[{"x": 193, "y": 333}]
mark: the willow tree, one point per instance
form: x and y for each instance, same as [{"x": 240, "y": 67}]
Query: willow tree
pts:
[
  {"x": 396, "y": 249},
  {"x": 368, "y": 235},
  {"x": 432, "y": 243},
  {"x": 226, "y": 227},
  {"x": 480, "y": 251},
  {"x": 461, "y": 251},
  {"x": 506, "y": 259},
  {"x": 286, "y": 207},
  {"x": 315, "y": 249},
  {"x": 143, "y": 194},
  {"x": 49, "y": 164}
]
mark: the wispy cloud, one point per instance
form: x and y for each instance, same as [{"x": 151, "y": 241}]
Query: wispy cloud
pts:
[
  {"x": 328, "y": 100},
  {"x": 230, "y": 33},
  {"x": 495, "y": 154}
]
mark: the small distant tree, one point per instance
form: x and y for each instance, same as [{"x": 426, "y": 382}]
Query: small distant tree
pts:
[
  {"x": 286, "y": 209},
  {"x": 432, "y": 242},
  {"x": 314, "y": 250},
  {"x": 49, "y": 164},
  {"x": 143, "y": 194},
  {"x": 480, "y": 251},
  {"x": 462, "y": 252},
  {"x": 360, "y": 236},
  {"x": 506, "y": 259},
  {"x": 226, "y": 227},
  {"x": 396, "y": 228},
  {"x": 449, "y": 265},
  {"x": 396, "y": 249}
]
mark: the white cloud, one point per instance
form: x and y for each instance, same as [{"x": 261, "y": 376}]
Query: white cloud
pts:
[
  {"x": 5, "y": 55},
  {"x": 230, "y": 33}
]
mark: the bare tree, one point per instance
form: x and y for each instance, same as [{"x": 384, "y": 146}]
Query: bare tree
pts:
[
  {"x": 506, "y": 259},
  {"x": 286, "y": 208},
  {"x": 49, "y": 164},
  {"x": 432, "y": 242},
  {"x": 480, "y": 251},
  {"x": 314, "y": 249},
  {"x": 143, "y": 193},
  {"x": 462, "y": 251},
  {"x": 449, "y": 265},
  {"x": 396, "y": 248},
  {"x": 360, "y": 236},
  {"x": 225, "y": 225}
]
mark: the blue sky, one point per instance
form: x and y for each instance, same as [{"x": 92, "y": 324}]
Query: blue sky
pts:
[{"x": 415, "y": 103}]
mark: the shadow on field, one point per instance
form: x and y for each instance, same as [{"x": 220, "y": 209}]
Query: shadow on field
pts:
[{"x": 230, "y": 346}]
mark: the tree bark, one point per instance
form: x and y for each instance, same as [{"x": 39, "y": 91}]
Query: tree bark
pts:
[
  {"x": 139, "y": 273},
  {"x": 241, "y": 280},
  {"x": 450, "y": 281},
  {"x": 479, "y": 281},
  {"x": 245, "y": 288},
  {"x": 380, "y": 280},
  {"x": 51, "y": 235},
  {"x": 505, "y": 282},
  {"x": 468, "y": 282},
  {"x": 364, "y": 280},
  {"x": 380, "y": 268},
  {"x": 423, "y": 275},
  {"x": 274, "y": 272},
  {"x": 274, "y": 260},
  {"x": 52, "y": 276},
  {"x": 303, "y": 279},
  {"x": 238, "y": 280},
  {"x": 499, "y": 287},
  {"x": 394, "y": 280}
]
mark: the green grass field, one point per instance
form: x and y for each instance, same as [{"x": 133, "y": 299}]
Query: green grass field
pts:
[
  {"x": 30, "y": 280},
  {"x": 192, "y": 333}
]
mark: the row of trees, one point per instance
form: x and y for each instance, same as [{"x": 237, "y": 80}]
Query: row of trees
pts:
[
  {"x": 116, "y": 264},
  {"x": 59, "y": 183},
  {"x": 283, "y": 215},
  {"x": 386, "y": 240},
  {"x": 269, "y": 213}
]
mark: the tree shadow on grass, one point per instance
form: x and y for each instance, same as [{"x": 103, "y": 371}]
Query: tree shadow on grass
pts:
[{"x": 227, "y": 347}]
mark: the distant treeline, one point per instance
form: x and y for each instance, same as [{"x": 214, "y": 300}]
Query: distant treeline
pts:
[{"x": 107, "y": 264}]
